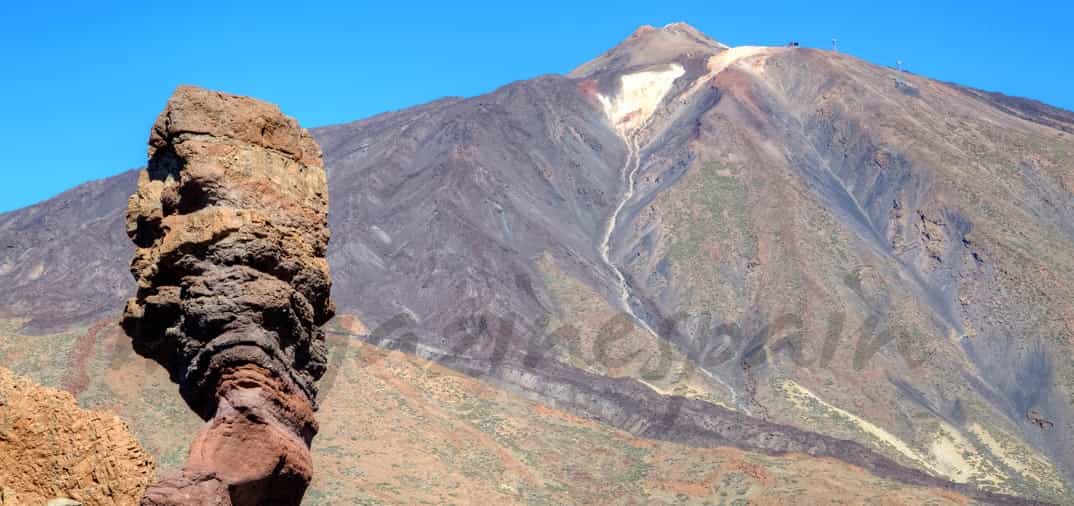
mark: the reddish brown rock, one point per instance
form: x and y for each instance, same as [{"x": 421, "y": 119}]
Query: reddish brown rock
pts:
[
  {"x": 52, "y": 449},
  {"x": 230, "y": 220}
]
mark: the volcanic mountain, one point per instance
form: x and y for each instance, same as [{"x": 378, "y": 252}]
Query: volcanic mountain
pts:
[{"x": 681, "y": 256}]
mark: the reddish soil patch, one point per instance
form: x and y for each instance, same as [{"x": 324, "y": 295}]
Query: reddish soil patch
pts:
[{"x": 78, "y": 379}]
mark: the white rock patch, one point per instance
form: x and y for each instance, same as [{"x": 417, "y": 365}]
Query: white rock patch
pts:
[
  {"x": 639, "y": 96},
  {"x": 381, "y": 234},
  {"x": 719, "y": 62},
  {"x": 799, "y": 395}
]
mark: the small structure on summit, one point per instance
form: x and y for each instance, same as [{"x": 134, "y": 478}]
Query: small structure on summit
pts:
[{"x": 231, "y": 224}]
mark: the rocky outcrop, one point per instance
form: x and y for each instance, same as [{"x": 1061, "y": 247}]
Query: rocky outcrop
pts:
[
  {"x": 230, "y": 221},
  {"x": 50, "y": 449}
]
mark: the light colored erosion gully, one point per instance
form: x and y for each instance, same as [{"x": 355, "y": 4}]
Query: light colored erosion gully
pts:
[{"x": 629, "y": 111}]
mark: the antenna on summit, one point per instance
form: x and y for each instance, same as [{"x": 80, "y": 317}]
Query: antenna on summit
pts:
[
  {"x": 899, "y": 64},
  {"x": 835, "y": 44}
]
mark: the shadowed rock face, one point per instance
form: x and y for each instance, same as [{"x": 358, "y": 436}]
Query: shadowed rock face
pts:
[{"x": 230, "y": 221}]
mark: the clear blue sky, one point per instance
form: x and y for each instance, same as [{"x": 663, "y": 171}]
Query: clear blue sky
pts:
[{"x": 81, "y": 82}]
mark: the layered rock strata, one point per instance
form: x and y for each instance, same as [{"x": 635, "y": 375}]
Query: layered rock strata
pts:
[{"x": 230, "y": 224}]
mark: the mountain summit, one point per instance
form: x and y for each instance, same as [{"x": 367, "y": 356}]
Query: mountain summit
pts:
[
  {"x": 679, "y": 250},
  {"x": 675, "y": 42}
]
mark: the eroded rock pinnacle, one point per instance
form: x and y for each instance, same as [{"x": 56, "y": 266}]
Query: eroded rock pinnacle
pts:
[{"x": 230, "y": 221}]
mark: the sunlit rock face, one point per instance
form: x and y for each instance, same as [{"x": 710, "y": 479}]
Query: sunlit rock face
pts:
[
  {"x": 639, "y": 96},
  {"x": 230, "y": 224},
  {"x": 52, "y": 450}
]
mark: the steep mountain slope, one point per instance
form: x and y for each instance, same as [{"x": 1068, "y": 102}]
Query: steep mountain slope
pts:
[
  {"x": 779, "y": 249},
  {"x": 64, "y": 260},
  {"x": 847, "y": 196}
]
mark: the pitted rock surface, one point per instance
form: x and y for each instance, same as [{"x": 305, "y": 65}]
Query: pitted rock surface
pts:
[
  {"x": 51, "y": 450},
  {"x": 231, "y": 224}
]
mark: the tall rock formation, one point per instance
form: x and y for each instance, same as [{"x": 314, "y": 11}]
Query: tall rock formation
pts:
[{"x": 230, "y": 224}]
